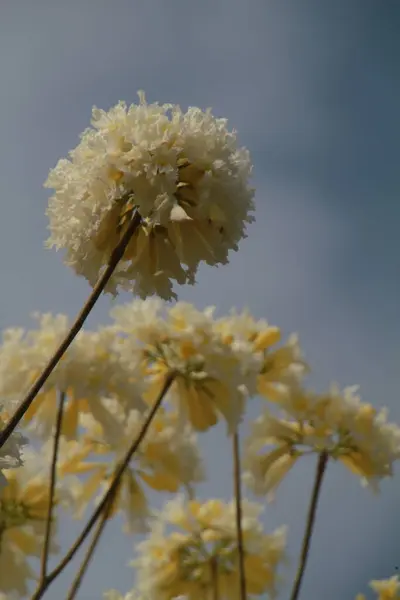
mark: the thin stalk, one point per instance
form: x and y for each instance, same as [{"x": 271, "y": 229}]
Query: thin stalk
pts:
[
  {"x": 89, "y": 554},
  {"x": 319, "y": 474},
  {"x": 238, "y": 505},
  {"x": 52, "y": 487},
  {"x": 76, "y": 327},
  {"x": 43, "y": 586},
  {"x": 214, "y": 579}
]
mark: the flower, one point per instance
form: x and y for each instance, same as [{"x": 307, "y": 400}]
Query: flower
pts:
[
  {"x": 387, "y": 589},
  {"x": 166, "y": 460},
  {"x": 11, "y": 450},
  {"x": 280, "y": 366},
  {"x": 199, "y": 551},
  {"x": 89, "y": 370},
  {"x": 212, "y": 378},
  {"x": 23, "y": 513},
  {"x": 336, "y": 423},
  {"x": 182, "y": 172}
]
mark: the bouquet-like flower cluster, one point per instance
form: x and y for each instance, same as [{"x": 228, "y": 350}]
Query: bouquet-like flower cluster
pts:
[
  {"x": 201, "y": 553},
  {"x": 218, "y": 363},
  {"x": 336, "y": 423},
  {"x": 182, "y": 172}
]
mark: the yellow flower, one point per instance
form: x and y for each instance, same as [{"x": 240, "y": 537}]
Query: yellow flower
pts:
[
  {"x": 336, "y": 423},
  {"x": 386, "y": 589},
  {"x": 23, "y": 513},
  {"x": 279, "y": 365},
  {"x": 90, "y": 370},
  {"x": 167, "y": 460},
  {"x": 200, "y": 552},
  {"x": 212, "y": 378}
]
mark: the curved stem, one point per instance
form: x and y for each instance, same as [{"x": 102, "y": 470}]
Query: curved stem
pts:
[
  {"x": 53, "y": 478},
  {"x": 110, "y": 492},
  {"x": 321, "y": 466},
  {"x": 238, "y": 503},
  {"x": 76, "y": 327}
]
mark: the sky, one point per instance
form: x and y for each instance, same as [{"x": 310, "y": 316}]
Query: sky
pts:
[{"x": 313, "y": 89}]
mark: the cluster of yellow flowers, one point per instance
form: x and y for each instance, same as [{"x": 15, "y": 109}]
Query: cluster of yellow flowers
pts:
[
  {"x": 90, "y": 370},
  {"x": 181, "y": 178},
  {"x": 336, "y": 423},
  {"x": 218, "y": 362},
  {"x": 167, "y": 460},
  {"x": 201, "y": 553},
  {"x": 23, "y": 510}
]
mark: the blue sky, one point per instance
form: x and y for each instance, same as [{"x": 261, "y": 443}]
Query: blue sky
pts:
[{"x": 312, "y": 86}]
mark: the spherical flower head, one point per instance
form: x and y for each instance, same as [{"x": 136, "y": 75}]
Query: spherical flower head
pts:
[
  {"x": 192, "y": 550},
  {"x": 167, "y": 460},
  {"x": 89, "y": 370},
  {"x": 336, "y": 423},
  {"x": 184, "y": 175},
  {"x": 23, "y": 513},
  {"x": 212, "y": 378}
]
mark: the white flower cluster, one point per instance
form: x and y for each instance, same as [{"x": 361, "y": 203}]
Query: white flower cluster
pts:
[{"x": 182, "y": 172}]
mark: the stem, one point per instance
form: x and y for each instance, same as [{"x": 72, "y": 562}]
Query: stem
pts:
[
  {"x": 321, "y": 466},
  {"x": 76, "y": 327},
  {"x": 190, "y": 492},
  {"x": 53, "y": 477},
  {"x": 89, "y": 554},
  {"x": 238, "y": 503},
  {"x": 214, "y": 579},
  {"x": 110, "y": 492}
]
